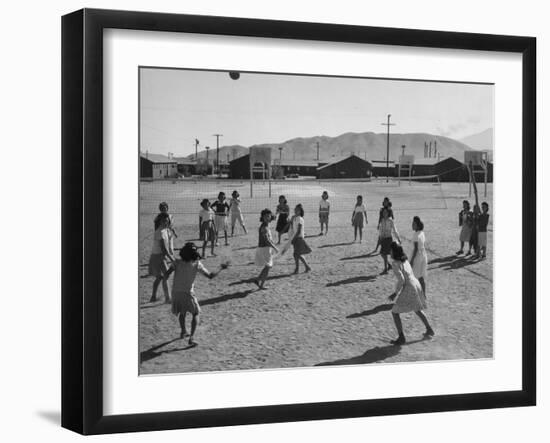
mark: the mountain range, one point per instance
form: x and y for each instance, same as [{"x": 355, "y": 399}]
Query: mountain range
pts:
[{"x": 367, "y": 145}]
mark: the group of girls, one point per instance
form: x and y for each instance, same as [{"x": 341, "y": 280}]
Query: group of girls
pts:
[
  {"x": 410, "y": 290},
  {"x": 213, "y": 220},
  {"x": 473, "y": 229}
]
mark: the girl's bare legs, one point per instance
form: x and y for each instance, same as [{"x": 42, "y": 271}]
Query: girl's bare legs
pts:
[
  {"x": 303, "y": 260},
  {"x": 423, "y": 284},
  {"x": 461, "y": 250},
  {"x": 399, "y": 326},
  {"x": 385, "y": 258},
  {"x": 181, "y": 318},
  {"x": 212, "y": 247},
  {"x": 360, "y": 235},
  {"x": 429, "y": 331},
  {"x": 194, "y": 323},
  {"x": 297, "y": 262},
  {"x": 156, "y": 284},
  {"x": 244, "y": 227},
  {"x": 232, "y": 229},
  {"x": 279, "y": 240},
  {"x": 356, "y": 228},
  {"x": 165, "y": 289},
  {"x": 260, "y": 281}
]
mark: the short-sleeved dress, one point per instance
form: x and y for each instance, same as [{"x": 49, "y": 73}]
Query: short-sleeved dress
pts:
[
  {"x": 207, "y": 230},
  {"x": 359, "y": 215},
  {"x": 264, "y": 251},
  {"x": 158, "y": 261},
  {"x": 420, "y": 264},
  {"x": 236, "y": 214},
  {"x": 410, "y": 297},
  {"x": 298, "y": 241},
  {"x": 282, "y": 222},
  {"x": 183, "y": 287},
  {"x": 324, "y": 210}
]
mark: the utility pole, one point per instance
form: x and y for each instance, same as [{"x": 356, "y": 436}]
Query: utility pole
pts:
[
  {"x": 317, "y": 151},
  {"x": 207, "y": 149},
  {"x": 280, "y": 155},
  {"x": 403, "y": 150},
  {"x": 388, "y": 124},
  {"x": 196, "y": 149},
  {"x": 218, "y": 151}
]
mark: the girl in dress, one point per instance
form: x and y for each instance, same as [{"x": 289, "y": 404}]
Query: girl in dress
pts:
[
  {"x": 324, "y": 211},
  {"x": 163, "y": 208},
  {"x": 419, "y": 258},
  {"x": 264, "y": 251},
  {"x": 183, "y": 288},
  {"x": 301, "y": 248},
  {"x": 386, "y": 231},
  {"x": 161, "y": 258},
  {"x": 221, "y": 211},
  {"x": 282, "y": 211},
  {"x": 386, "y": 203},
  {"x": 359, "y": 218},
  {"x": 206, "y": 223},
  {"x": 409, "y": 294},
  {"x": 483, "y": 222},
  {"x": 236, "y": 214},
  {"x": 465, "y": 220}
]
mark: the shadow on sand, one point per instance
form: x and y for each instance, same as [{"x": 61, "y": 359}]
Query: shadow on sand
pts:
[
  {"x": 227, "y": 297},
  {"x": 347, "y": 281},
  {"x": 371, "y": 355},
  {"x": 151, "y": 353},
  {"x": 453, "y": 262},
  {"x": 334, "y": 245},
  {"x": 356, "y": 257},
  {"x": 373, "y": 311},
  {"x": 252, "y": 280}
]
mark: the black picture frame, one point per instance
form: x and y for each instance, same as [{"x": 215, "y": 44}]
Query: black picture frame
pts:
[{"x": 82, "y": 190}]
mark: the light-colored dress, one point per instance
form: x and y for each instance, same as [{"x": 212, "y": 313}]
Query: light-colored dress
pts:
[
  {"x": 324, "y": 210},
  {"x": 158, "y": 261},
  {"x": 465, "y": 218},
  {"x": 264, "y": 251},
  {"x": 183, "y": 287},
  {"x": 236, "y": 214},
  {"x": 359, "y": 215},
  {"x": 420, "y": 264},
  {"x": 410, "y": 297}
]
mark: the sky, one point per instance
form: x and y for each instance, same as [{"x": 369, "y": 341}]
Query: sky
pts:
[{"x": 178, "y": 106}]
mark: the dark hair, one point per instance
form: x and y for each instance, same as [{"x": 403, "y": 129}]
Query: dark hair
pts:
[
  {"x": 419, "y": 224},
  {"x": 485, "y": 204},
  {"x": 283, "y": 197},
  {"x": 325, "y": 193},
  {"x": 221, "y": 194},
  {"x": 163, "y": 205},
  {"x": 300, "y": 208},
  {"x": 204, "y": 201},
  {"x": 235, "y": 193},
  {"x": 163, "y": 216},
  {"x": 466, "y": 202},
  {"x": 359, "y": 197},
  {"x": 190, "y": 252},
  {"x": 266, "y": 212},
  {"x": 397, "y": 252}
]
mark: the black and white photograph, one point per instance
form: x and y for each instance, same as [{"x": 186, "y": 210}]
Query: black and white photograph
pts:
[{"x": 294, "y": 221}]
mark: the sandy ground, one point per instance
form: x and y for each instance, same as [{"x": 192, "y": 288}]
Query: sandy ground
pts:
[{"x": 336, "y": 315}]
